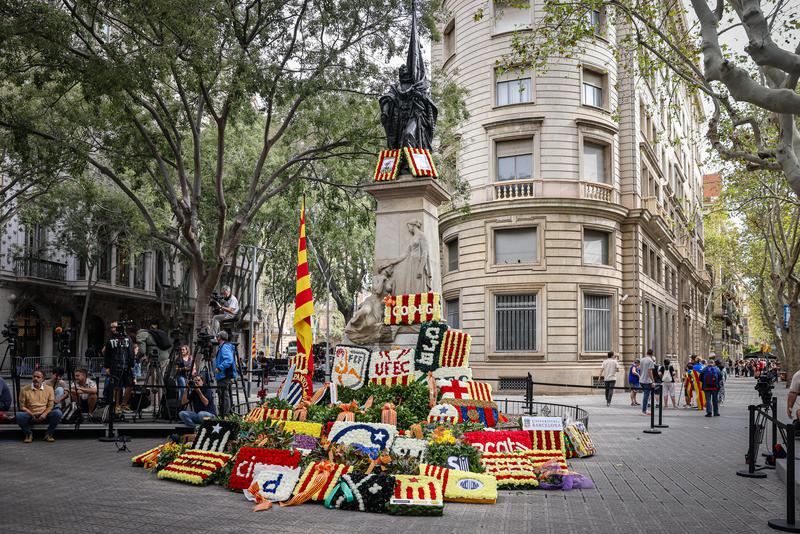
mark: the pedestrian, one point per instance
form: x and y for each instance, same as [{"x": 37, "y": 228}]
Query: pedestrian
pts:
[
  {"x": 646, "y": 378},
  {"x": 794, "y": 390},
  {"x": 610, "y": 369},
  {"x": 633, "y": 381},
  {"x": 687, "y": 384},
  {"x": 710, "y": 379},
  {"x": 668, "y": 383},
  {"x": 723, "y": 378}
]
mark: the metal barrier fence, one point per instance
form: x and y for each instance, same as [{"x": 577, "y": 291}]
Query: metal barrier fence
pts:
[
  {"x": 757, "y": 429},
  {"x": 28, "y": 364}
]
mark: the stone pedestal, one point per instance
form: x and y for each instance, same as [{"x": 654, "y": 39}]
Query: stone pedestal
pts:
[{"x": 400, "y": 202}]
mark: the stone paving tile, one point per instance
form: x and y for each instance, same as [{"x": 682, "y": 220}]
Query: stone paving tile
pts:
[{"x": 680, "y": 481}]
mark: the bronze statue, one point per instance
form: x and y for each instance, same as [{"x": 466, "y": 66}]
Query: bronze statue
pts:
[{"x": 407, "y": 112}]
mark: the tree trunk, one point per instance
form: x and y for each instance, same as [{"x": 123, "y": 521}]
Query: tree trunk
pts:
[
  {"x": 83, "y": 332},
  {"x": 790, "y": 340},
  {"x": 205, "y": 283}
]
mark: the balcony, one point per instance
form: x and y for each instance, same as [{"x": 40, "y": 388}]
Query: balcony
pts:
[
  {"x": 38, "y": 268},
  {"x": 513, "y": 190},
  {"x": 597, "y": 191}
]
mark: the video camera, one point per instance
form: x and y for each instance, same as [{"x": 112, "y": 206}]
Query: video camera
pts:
[
  {"x": 10, "y": 330},
  {"x": 122, "y": 327},
  {"x": 216, "y": 300},
  {"x": 764, "y": 387}
]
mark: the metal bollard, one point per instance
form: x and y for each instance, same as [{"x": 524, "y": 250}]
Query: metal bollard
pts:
[
  {"x": 652, "y": 429},
  {"x": 788, "y": 524},
  {"x": 751, "y": 447},
  {"x": 661, "y": 407}
]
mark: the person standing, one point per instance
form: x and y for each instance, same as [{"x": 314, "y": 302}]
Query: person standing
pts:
[
  {"x": 646, "y": 378},
  {"x": 794, "y": 391},
  {"x": 688, "y": 380},
  {"x": 5, "y": 396},
  {"x": 610, "y": 369},
  {"x": 118, "y": 359},
  {"x": 633, "y": 381},
  {"x": 668, "y": 383},
  {"x": 225, "y": 365},
  {"x": 710, "y": 379}
]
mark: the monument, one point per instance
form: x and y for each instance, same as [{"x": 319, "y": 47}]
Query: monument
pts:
[{"x": 407, "y": 256}]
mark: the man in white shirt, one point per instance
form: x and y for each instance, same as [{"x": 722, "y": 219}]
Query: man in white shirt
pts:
[
  {"x": 229, "y": 309},
  {"x": 646, "y": 366},
  {"x": 610, "y": 368}
]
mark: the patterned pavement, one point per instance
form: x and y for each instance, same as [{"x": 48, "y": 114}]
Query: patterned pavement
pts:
[{"x": 682, "y": 480}]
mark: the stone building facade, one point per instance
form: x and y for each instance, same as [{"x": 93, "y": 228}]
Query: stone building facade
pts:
[{"x": 584, "y": 232}]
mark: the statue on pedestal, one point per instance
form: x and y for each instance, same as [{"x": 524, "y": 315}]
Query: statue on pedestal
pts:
[
  {"x": 366, "y": 325},
  {"x": 407, "y": 112}
]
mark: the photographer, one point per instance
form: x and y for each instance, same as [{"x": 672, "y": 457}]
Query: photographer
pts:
[
  {"x": 202, "y": 402},
  {"x": 228, "y": 305},
  {"x": 225, "y": 366},
  {"x": 118, "y": 363}
]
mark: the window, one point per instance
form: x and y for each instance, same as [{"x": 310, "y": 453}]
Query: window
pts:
[
  {"x": 449, "y": 39},
  {"x": 452, "y": 308},
  {"x": 510, "y": 15},
  {"x": 123, "y": 266},
  {"x": 36, "y": 241},
  {"x": 514, "y": 160},
  {"x": 513, "y": 87},
  {"x": 594, "y": 19},
  {"x": 515, "y": 245},
  {"x": 645, "y": 259},
  {"x": 596, "y": 323},
  {"x": 658, "y": 270},
  {"x": 452, "y": 255},
  {"x": 594, "y": 162},
  {"x": 595, "y": 247},
  {"x": 593, "y": 89},
  {"x": 515, "y": 327}
]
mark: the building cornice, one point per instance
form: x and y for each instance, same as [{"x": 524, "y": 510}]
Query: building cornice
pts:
[
  {"x": 517, "y": 120},
  {"x": 594, "y": 123},
  {"x": 573, "y": 206}
]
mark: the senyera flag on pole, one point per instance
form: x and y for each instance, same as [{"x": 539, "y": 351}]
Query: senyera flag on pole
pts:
[{"x": 303, "y": 310}]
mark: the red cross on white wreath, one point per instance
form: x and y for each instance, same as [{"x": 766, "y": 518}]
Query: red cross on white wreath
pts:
[{"x": 456, "y": 389}]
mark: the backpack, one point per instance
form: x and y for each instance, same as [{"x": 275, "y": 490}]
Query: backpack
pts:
[{"x": 711, "y": 378}]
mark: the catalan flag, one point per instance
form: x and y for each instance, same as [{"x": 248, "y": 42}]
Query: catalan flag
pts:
[
  {"x": 698, "y": 391},
  {"x": 303, "y": 310}
]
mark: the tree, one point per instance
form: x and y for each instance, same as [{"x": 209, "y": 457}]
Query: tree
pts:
[
  {"x": 750, "y": 90},
  {"x": 149, "y": 93},
  {"x": 770, "y": 250},
  {"x": 88, "y": 217}
]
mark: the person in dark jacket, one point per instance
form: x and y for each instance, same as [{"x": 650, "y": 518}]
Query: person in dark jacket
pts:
[{"x": 710, "y": 379}]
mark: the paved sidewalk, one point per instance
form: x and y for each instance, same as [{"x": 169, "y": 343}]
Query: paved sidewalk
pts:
[{"x": 682, "y": 480}]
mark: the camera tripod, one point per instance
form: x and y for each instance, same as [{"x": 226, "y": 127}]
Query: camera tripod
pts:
[
  {"x": 65, "y": 362},
  {"x": 208, "y": 371},
  {"x": 11, "y": 353}
]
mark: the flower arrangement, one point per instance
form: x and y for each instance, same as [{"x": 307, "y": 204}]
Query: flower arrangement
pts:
[
  {"x": 168, "y": 453},
  {"x": 195, "y": 466},
  {"x": 391, "y": 367},
  {"x": 580, "y": 440},
  {"x": 513, "y": 470},
  {"x": 330, "y": 476},
  {"x": 362, "y": 492},
  {"x": 248, "y": 459},
  {"x": 148, "y": 458},
  {"x": 553, "y": 477},
  {"x": 214, "y": 434},
  {"x": 429, "y": 343},
  {"x": 453, "y": 373},
  {"x": 350, "y": 366},
  {"x": 416, "y": 495},
  {"x": 411, "y": 402},
  {"x": 299, "y": 427},
  {"x": 411, "y": 447},
  {"x": 455, "y": 349},
  {"x": 412, "y": 309},
  {"x": 499, "y": 440},
  {"x": 273, "y": 483},
  {"x": 438, "y": 453},
  {"x": 463, "y": 486},
  {"x": 369, "y": 435},
  {"x": 443, "y": 436}
]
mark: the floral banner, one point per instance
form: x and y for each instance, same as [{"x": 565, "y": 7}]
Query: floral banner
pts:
[
  {"x": 195, "y": 466},
  {"x": 214, "y": 435},
  {"x": 455, "y": 349},
  {"x": 391, "y": 367},
  {"x": 429, "y": 343},
  {"x": 499, "y": 441},
  {"x": 327, "y": 485},
  {"x": 248, "y": 459},
  {"x": 388, "y": 162},
  {"x": 272, "y": 483},
  {"x": 420, "y": 162},
  {"x": 463, "y": 486},
  {"x": 412, "y": 309},
  {"x": 511, "y": 469},
  {"x": 453, "y": 373},
  {"x": 410, "y": 447},
  {"x": 350, "y": 366},
  {"x": 376, "y": 436},
  {"x": 416, "y": 495},
  {"x": 362, "y": 492}
]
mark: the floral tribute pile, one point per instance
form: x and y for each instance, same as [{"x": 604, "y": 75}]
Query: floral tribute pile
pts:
[{"x": 410, "y": 430}]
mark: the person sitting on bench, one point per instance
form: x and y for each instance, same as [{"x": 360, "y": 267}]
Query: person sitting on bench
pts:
[
  {"x": 36, "y": 403},
  {"x": 85, "y": 389},
  {"x": 202, "y": 402},
  {"x": 5, "y": 396}
]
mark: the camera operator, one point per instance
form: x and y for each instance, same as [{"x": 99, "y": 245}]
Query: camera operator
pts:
[
  {"x": 228, "y": 305},
  {"x": 794, "y": 391},
  {"x": 200, "y": 399},
  {"x": 118, "y": 363},
  {"x": 225, "y": 366}
]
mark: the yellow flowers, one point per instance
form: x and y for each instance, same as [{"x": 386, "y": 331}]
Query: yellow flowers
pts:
[{"x": 444, "y": 436}]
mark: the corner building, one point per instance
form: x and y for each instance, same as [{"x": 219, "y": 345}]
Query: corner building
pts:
[{"x": 584, "y": 232}]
